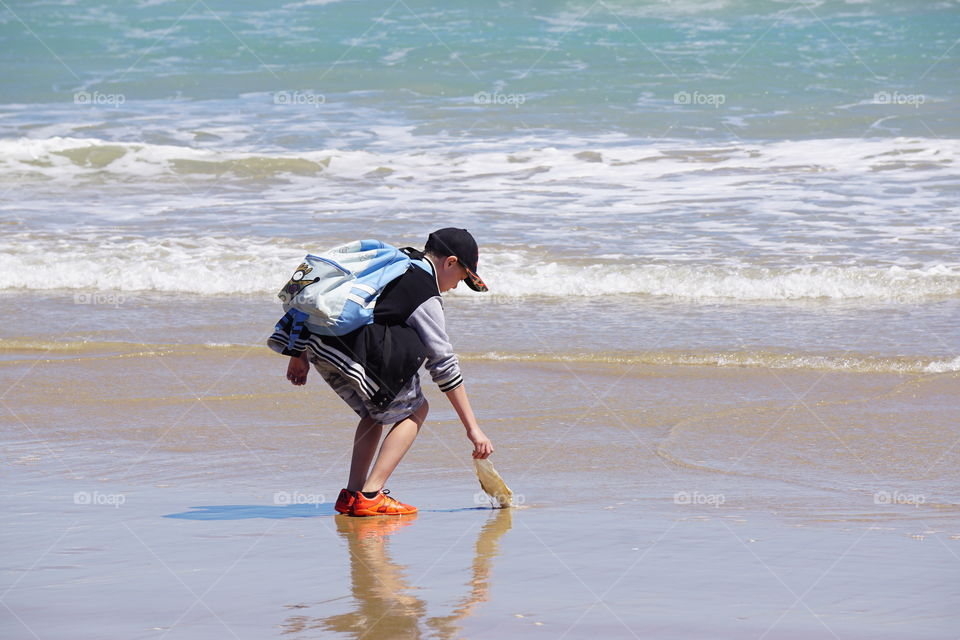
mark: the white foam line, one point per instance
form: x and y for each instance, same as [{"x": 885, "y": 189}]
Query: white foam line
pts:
[{"x": 250, "y": 265}]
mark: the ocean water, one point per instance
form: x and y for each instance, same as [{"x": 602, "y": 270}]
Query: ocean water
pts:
[{"x": 710, "y": 173}]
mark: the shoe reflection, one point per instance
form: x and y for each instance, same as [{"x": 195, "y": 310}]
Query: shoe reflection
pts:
[{"x": 385, "y": 605}]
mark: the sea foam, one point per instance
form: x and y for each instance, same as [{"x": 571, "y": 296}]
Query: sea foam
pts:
[{"x": 252, "y": 265}]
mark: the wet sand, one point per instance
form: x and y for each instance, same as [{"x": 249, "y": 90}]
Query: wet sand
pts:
[
  {"x": 181, "y": 491},
  {"x": 231, "y": 569}
]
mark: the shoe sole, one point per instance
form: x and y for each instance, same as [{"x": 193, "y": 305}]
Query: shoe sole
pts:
[{"x": 379, "y": 513}]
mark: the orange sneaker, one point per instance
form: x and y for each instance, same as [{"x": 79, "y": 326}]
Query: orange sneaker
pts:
[
  {"x": 344, "y": 501},
  {"x": 380, "y": 505}
]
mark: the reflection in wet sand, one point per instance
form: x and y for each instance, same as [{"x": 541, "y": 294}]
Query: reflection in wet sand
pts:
[
  {"x": 487, "y": 548},
  {"x": 385, "y": 604}
]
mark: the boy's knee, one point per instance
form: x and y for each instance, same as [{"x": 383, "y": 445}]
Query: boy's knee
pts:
[{"x": 418, "y": 416}]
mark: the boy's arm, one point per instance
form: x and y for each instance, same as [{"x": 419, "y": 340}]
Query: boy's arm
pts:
[
  {"x": 442, "y": 363},
  {"x": 482, "y": 447},
  {"x": 428, "y": 321}
]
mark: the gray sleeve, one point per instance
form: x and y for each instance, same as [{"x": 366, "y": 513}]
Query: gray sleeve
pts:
[{"x": 428, "y": 321}]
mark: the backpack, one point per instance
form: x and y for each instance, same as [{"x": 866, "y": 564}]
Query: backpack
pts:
[{"x": 335, "y": 292}]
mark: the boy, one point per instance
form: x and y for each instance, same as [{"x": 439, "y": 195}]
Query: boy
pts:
[{"x": 374, "y": 369}]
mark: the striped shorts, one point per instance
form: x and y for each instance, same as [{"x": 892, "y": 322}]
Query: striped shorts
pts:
[{"x": 407, "y": 401}]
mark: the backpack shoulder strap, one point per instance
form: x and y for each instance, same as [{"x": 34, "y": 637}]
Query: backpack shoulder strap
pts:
[{"x": 417, "y": 257}]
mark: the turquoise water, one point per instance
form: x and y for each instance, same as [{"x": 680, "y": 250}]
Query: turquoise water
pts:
[
  {"x": 652, "y": 155},
  {"x": 752, "y": 69}
]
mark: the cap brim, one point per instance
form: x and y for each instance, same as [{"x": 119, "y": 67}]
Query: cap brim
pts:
[{"x": 473, "y": 280}]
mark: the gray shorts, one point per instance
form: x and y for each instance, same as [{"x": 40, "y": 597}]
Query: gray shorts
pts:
[{"x": 407, "y": 401}]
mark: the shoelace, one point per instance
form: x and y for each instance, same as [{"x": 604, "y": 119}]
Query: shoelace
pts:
[{"x": 391, "y": 503}]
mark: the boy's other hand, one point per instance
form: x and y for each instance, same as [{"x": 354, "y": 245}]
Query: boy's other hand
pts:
[
  {"x": 482, "y": 447},
  {"x": 297, "y": 370}
]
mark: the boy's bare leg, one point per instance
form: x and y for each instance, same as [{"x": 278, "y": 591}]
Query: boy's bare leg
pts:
[
  {"x": 394, "y": 447},
  {"x": 365, "y": 442}
]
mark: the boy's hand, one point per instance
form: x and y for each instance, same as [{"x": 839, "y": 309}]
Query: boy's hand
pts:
[
  {"x": 297, "y": 370},
  {"x": 482, "y": 447}
]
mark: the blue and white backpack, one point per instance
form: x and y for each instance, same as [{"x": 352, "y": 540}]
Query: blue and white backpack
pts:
[{"x": 335, "y": 292}]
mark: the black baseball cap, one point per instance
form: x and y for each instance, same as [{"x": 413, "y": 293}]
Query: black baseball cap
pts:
[{"x": 451, "y": 241}]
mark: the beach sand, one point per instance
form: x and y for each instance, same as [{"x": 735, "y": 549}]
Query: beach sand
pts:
[{"x": 174, "y": 489}]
